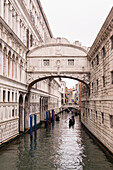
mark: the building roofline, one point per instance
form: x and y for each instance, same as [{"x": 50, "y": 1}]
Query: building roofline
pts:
[
  {"x": 45, "y": 18},
  {"x": 99, "y": 39}
]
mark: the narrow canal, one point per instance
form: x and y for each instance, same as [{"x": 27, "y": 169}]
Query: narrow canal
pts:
[{"x": 56, "y": 147}]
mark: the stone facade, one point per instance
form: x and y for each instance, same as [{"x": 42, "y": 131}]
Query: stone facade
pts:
[
  {"x": 23, "y": 25},
  {"x": 63, "y": 92},
  {"x": 97, "y": 106}
]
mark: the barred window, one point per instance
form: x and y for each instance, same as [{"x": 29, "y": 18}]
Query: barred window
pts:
[
  {"x": 97, "y": 84},
  {"x": 112, "y": 77},
  {"x": 102, "y": 115},
  {"x": 92, "y": 64},
  {"x": 4, "y": 95},
  {"x": 71, "y": 62},
  {"x": 103, "y": 52},
  {"x": 111, "y": 120},
  {"x": 103, "y": 77},
  {"x": 111, "y": 42},
  {"x": 97, "y": 57},
  {"x": 8, "y": 96},
  {"x": 46, "y": 62}
]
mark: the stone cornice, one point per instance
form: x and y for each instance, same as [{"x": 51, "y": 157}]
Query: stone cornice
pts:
[
  {"x": 58, "y": 44},
  {"x": 102, "y": 35},
  {"x": 58, "y": 56},
  {"x": 29, "y": 19}
]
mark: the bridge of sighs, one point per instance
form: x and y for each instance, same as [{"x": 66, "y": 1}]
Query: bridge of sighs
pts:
[{"x": 58, "y": 58}]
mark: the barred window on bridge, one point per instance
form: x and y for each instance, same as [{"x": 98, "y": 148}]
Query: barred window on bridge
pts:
[
  {"x": 46, "y": 62},
  {"x": 71, "y": 62}
]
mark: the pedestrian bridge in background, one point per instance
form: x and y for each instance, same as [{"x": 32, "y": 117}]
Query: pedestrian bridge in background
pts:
[
  {"x": 74, "y": 106},
  {"x": 58, "y": 58}
]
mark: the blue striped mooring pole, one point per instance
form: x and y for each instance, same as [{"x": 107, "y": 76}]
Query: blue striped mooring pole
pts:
[{"x": 49, "y": 115}]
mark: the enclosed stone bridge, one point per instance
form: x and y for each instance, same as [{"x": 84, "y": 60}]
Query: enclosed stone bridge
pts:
[{"x": 58, "y": 58}]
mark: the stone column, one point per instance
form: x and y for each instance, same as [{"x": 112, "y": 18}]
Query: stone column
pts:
[
  {"x": 1, "y": 100},
  {"x": 18, "y": 26},
  {"x": 1, "y": 62},
  {"x": 15, "y": 24},
  {"x": 6, "y": 95},
  {"x": 6, "y": 70},
  {"x": 10, "y": 13}
]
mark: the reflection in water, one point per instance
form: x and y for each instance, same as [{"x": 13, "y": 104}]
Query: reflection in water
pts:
[{"x": 55, "y": 147}]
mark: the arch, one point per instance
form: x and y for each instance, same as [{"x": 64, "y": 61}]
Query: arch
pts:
[
  {"x": 9, "y": 62},
  {"x": 57, "y": 76},
  {"x": 21, "y": 65},
  {"x": 16, "y": 63},
  {"x": 26, "y": 113},
  {"x": 0, "y": 47},
  {"x": 21, "y": 121}
]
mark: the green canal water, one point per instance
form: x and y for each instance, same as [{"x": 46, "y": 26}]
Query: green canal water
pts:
[{"x": 56, "y": 147}]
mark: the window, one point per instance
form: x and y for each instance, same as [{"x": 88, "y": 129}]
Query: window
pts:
[
  {"x": 92, "y": 64},
  {"x": 111, "y": 42},
  {"x": 46, "y": 62},
  {"x": 12, "y": 96},
  {"x": 4, "y": 95},
  {"x": 96, "y": 114},
  {"x": 8, "y": 96},
  {"x": 13, "y": 113},
  {"x": 103, "y": 77},
  {"x": 97, "y": 84},
  {"x": 97, "y": 58},
  {"x": 31, "y": 40},
  {"x": 112, "y": 77},
  {"x": 27, "y": 38},
  {"x": 71, "y": 62},
  {"x": 92, "y": 87},
  {"x": 102, "y": 115},
  {"x": 111, "y": 120},
  {"x": 103, "y": 52}
]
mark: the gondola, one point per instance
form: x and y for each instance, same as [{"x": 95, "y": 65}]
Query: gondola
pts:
[{"x": 71, "y": 121}]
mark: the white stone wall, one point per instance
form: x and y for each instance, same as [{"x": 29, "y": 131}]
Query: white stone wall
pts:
[
  {"x": 97, "y": 109},
  {"x": 23, "y": 25}
]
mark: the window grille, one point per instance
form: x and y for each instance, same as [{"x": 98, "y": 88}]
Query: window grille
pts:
[
  {"x": 71, "y": 62},
  {"x": 46, "y": 62},
  {"x": 111, "y": 42},
  {"x": 111, "y": 120}
]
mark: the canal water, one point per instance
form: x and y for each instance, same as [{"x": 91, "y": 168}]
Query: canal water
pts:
[{"x": 56, "y": 147}]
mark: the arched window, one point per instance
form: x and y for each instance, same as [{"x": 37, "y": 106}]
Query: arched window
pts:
[
  {"x": 31, "y": 40},
  {"x": 21, "y": 69},
  {"x": 97, "y": 58},
  {"x": 16, "y": 63},
  {"x": 4, "y": 60},
  {"x": 9, "y": 63},
  {"x": 27, "y": 38},
  {"x": 0, "y": 47},
  {"x": 103, "y": 52},
  {"x": 13, "y": 65}
]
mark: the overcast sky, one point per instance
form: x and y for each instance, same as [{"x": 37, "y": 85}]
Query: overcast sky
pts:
[{"x": 76, "y": 19}]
